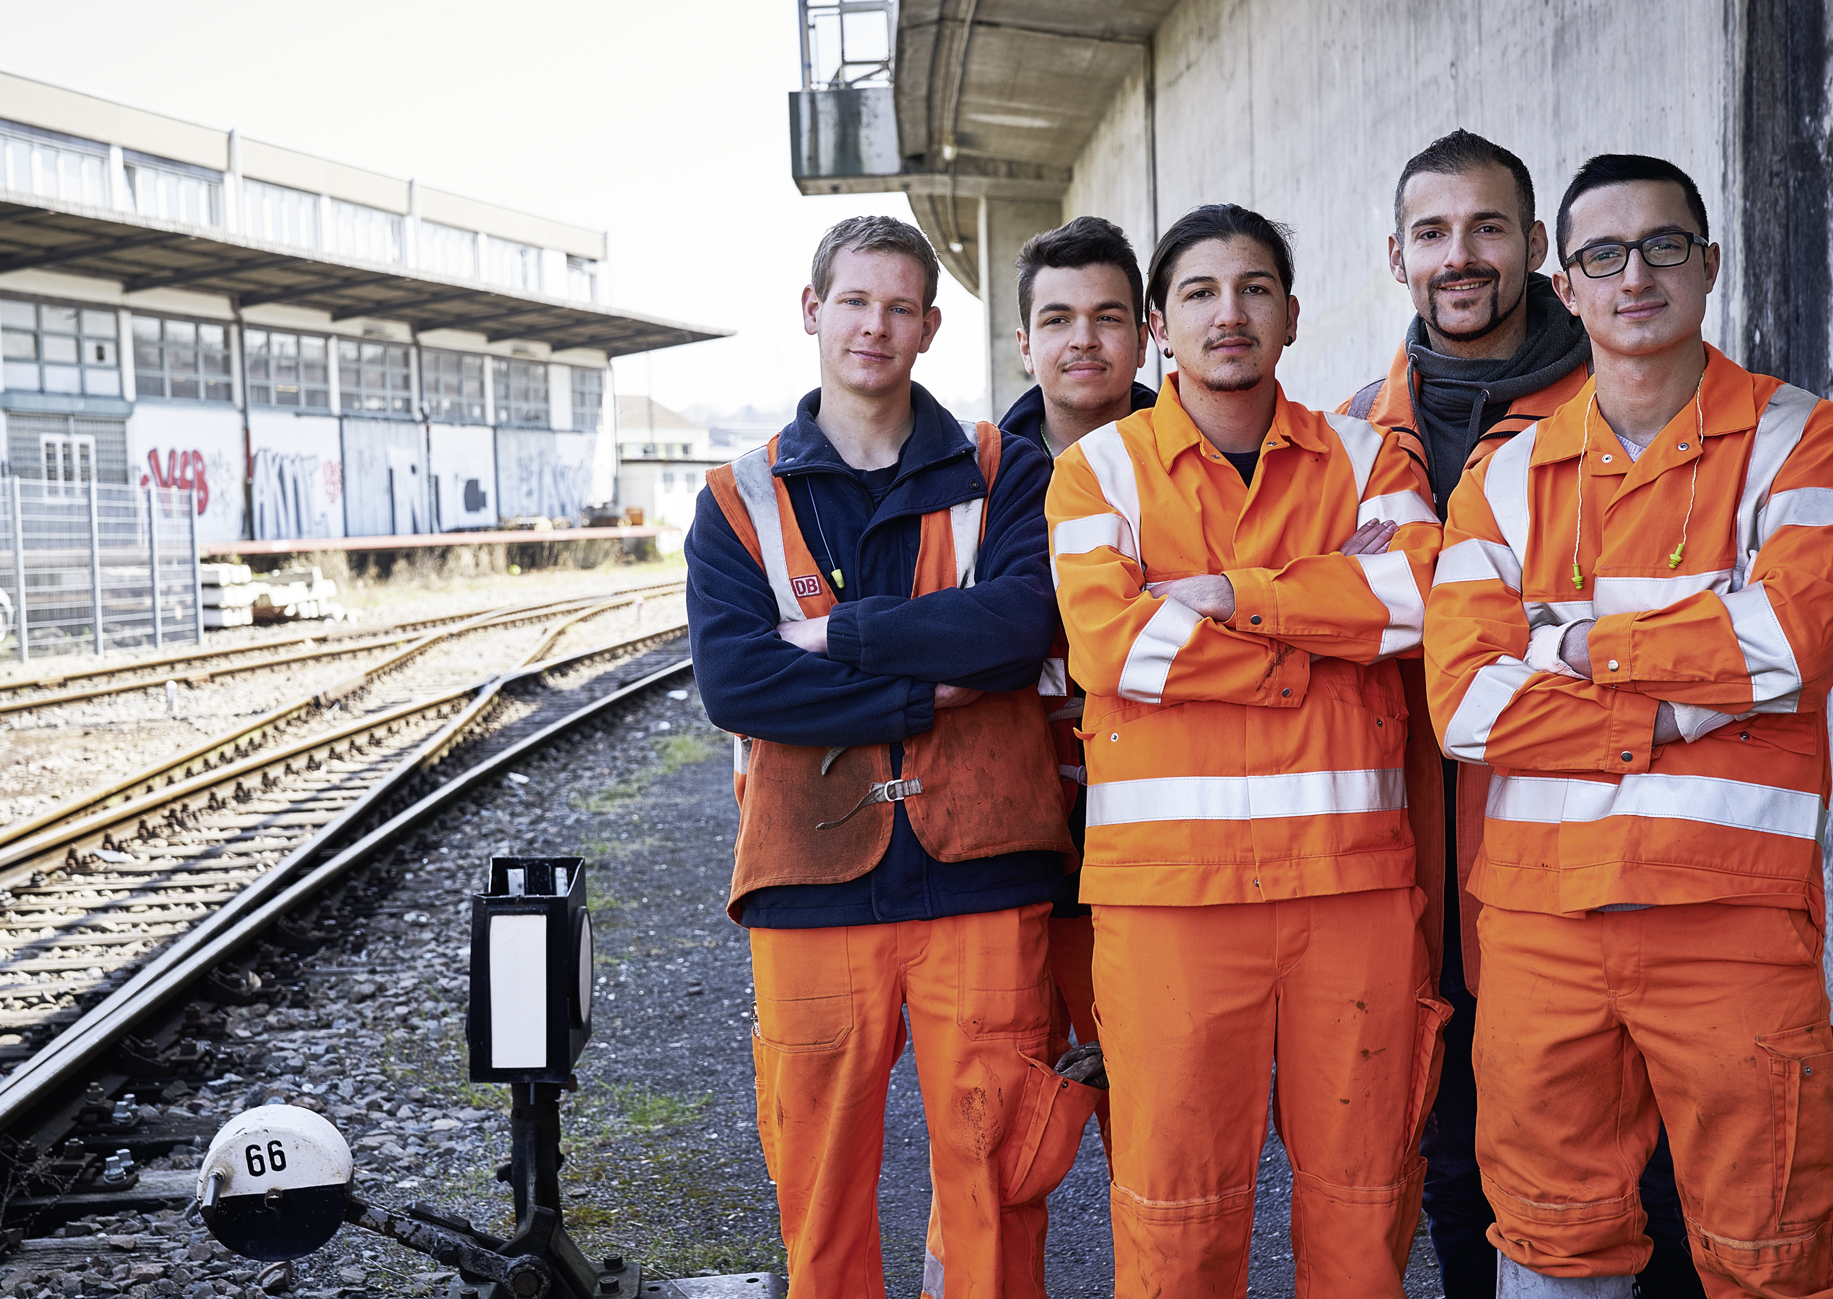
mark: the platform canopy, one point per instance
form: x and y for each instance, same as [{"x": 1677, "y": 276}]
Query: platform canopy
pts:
[{"x": 143, "y": 253}]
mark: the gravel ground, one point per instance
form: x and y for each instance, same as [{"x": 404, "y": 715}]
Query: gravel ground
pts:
[{"x": 663, "y": 1163}]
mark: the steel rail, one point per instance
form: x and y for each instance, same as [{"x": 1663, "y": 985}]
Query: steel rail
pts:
[
  {"x": 215, "y": 746},
  {"x": 262, "y": 903},
  {"x": 381, "y": 638}
]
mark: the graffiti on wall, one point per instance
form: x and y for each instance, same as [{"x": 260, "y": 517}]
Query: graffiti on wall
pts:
[
  {"x": 182, "y": 469},
  {"x": 289, "y": 494}
]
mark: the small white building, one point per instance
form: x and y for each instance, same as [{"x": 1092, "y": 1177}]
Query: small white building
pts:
[{"x": 663, "y": 459}]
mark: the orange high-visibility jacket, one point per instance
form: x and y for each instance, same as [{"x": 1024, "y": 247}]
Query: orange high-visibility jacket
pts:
[
  {"x": 979, "y": 783},
  {"x": 1388, "y": 401},
  {"x": 1224, "y": 765},
  {"x": 1583, "y": 810}
]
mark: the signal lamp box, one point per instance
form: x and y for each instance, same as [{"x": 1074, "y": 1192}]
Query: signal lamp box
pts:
[{"x": 531, "y": 971}]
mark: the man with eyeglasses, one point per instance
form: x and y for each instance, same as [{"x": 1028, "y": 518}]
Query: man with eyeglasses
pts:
[
  {"x": 1629, "y": 625},
  {"x": 1490, "y": 351}
]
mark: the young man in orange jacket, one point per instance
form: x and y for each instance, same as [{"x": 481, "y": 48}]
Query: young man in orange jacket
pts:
[
  {"x": 1628, "y": 624},
  {"x": 1491, "y": 350},
  {"x": 870, "y": 605},
  {"x": 1235, "y": 575}
]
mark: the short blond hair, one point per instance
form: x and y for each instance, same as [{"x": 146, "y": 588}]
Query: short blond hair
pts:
[{"x": 874, "y": 234}]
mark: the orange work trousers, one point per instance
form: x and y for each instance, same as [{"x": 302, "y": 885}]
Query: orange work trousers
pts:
[
  {"x": 1072, "y": 951},
  {"x": 830, "y": 1025},
  {"x": 1197, "y": 1005},
  {"x": 1592, "y": 1028}
]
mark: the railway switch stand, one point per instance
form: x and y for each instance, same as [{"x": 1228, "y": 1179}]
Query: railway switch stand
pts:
[{"x": 278, "y": 1180}]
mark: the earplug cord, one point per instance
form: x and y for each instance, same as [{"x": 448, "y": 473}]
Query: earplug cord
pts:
[{"x": 1686, "y": 523}]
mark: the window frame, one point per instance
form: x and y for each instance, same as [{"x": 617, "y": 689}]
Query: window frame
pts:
[
  {"x": 92, "y": 181},
  {"x": 307, "y": 201},
  {"x": 163, "y": 376},
  {"x": 133, "y": 163},
  {"x": 440, "y": 404},
  {"x": 270, "y": 382},
  {"x": 353, "y": 396},
  {"x": 508, "y": 410},
  {"x": 84, "y": 364},
  {"x": 597, "y": 422}
]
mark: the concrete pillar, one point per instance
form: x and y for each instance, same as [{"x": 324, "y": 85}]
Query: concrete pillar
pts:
[{"x": 1005, "y": 224}]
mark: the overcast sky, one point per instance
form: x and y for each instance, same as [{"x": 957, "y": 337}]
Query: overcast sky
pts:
[{"x": 665, "y": 124}]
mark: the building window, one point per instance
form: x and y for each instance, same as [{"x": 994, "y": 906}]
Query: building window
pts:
[
  {"x": 588, "y": 399},
  {"x": 290, "y": 370},
  {"x": 75, "y": 171},
  {"x": 69, "y": 460},
  {"x": 453, "y": 385},
  {"x": 174, "y": 192},
  {"x": 521, "y": 392},
  {"x": 365, "y": 233},
  {"x": 374, "y": 378},
  {"x": 186, "y": 360},
  {"x": 582, "y": 279},
  {"x": 278, "y": 215},
  {"x": 49, "y": 348},
  {"x": 668, "y": 480},
  {"x": 447, "y": 250},
  {"x": 513, "y": 265}
]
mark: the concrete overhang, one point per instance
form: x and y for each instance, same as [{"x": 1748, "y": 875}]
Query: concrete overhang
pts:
[
  {"x": 991, "y": 99},
  {"x": 142, "y": 253}
]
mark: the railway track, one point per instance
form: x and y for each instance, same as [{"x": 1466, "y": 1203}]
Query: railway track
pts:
[
  {"x": 199, "y": 667},
  {"x": 118, "y": 904}
]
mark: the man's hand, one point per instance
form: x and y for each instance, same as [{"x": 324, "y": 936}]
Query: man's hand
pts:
[
  {"x": 1370, "y": 539},
  {"x": 1575, "y": 649},
  {"x": 1212, "y": 597},
  {"x": 809, "y": 634},
  {"x": 955, "y": 696},
  {"x": 1667, "y": 727}
]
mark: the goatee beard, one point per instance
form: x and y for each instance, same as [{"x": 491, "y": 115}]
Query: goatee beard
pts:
[{"x": 1497, "y": 318}]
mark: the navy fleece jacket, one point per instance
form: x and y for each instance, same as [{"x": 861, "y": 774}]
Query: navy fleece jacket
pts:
[
  {"x": 1025, "y": 418},
  {"x": 886, "y": 651}
]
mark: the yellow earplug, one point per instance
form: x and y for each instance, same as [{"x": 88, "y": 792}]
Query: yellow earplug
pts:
[{"x": 1578, "y": 578}]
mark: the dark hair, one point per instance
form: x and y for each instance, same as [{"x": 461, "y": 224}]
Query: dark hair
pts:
[
  {"x": 1620, "y": 169},
  {"x": 1457, "y": 153},
  {"x": 1086, "y": 241},
  {"x": 874, "y": 234},
  {"x": 1216, "y": 221}
]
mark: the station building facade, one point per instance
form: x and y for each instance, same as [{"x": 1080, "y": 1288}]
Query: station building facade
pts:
[{"x": 319, "y": 349}]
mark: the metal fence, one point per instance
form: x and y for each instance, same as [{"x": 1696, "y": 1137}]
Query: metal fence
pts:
[{"x": 88, "y": 567}]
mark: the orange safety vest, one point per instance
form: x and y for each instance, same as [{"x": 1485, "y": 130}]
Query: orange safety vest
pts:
[
  {"x": 1224, "y": 765},
  {"x": 1583, "y": 810},
  {"x": 1388, "y": 402},
  {"x": 981, "y": 782}
]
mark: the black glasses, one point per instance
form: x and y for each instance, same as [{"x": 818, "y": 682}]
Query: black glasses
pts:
[{"x": 1601, "y": 261}]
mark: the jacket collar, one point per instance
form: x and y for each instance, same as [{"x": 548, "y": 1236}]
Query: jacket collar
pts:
[
  {"x": 1175, "y": 432},
  {"x": 1393, "y": 406},
  {"x": 1025, "y": 419},
  {"x": 1727, "y": 400},
  {"x": 935, "y": 438}
]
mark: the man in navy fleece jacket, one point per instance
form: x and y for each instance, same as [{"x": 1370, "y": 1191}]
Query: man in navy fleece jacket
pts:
[{"x": 958, "y": 945}]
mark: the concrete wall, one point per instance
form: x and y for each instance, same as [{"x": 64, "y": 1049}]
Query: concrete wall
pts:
[{"x": 1307, "y": 109}]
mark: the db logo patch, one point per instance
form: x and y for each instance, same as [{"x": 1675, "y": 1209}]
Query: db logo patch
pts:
[{"x": 805, "y": 587}]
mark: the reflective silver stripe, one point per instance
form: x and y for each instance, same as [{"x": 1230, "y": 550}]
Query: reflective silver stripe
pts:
[
  {"x": 1551, "y": 613},
  {"x": 1243, "y": 798},
  {"x": 964, "y": 521},
  {"x": 1733, "y": 804},
  {"x": 741, "y": 754},
  {"x": 1054, "y": 679},
  {"x": 1142, "y": 677},
  {"x": 1799, "y": 507},
  {"x": 1505, "y": 487},
  {"x": 1391, "y": 579},
  {"x": 1362, "y": 441},
  {"x": 757, "y": 489},
  {"x": 1639, "y": 594},
  {"x": 1778, "y": 433},
  {"x": 1476, "y": 560},
  {"x": 1775, "y": 677},
  {"x": 1395, "y": 507},
  {"x": 1108, "y": 459},
  {"x": 1079, "y": 536},
  {"x": 1490, "y": 691}
]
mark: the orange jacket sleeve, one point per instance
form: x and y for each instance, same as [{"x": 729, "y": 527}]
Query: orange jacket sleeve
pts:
[
  {"x": 1356, "y": 607},
  {"x": 1764, "y": 647},
  {"x": 1126, "y": 643},
  {"x": 1487, "y": 704}
]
